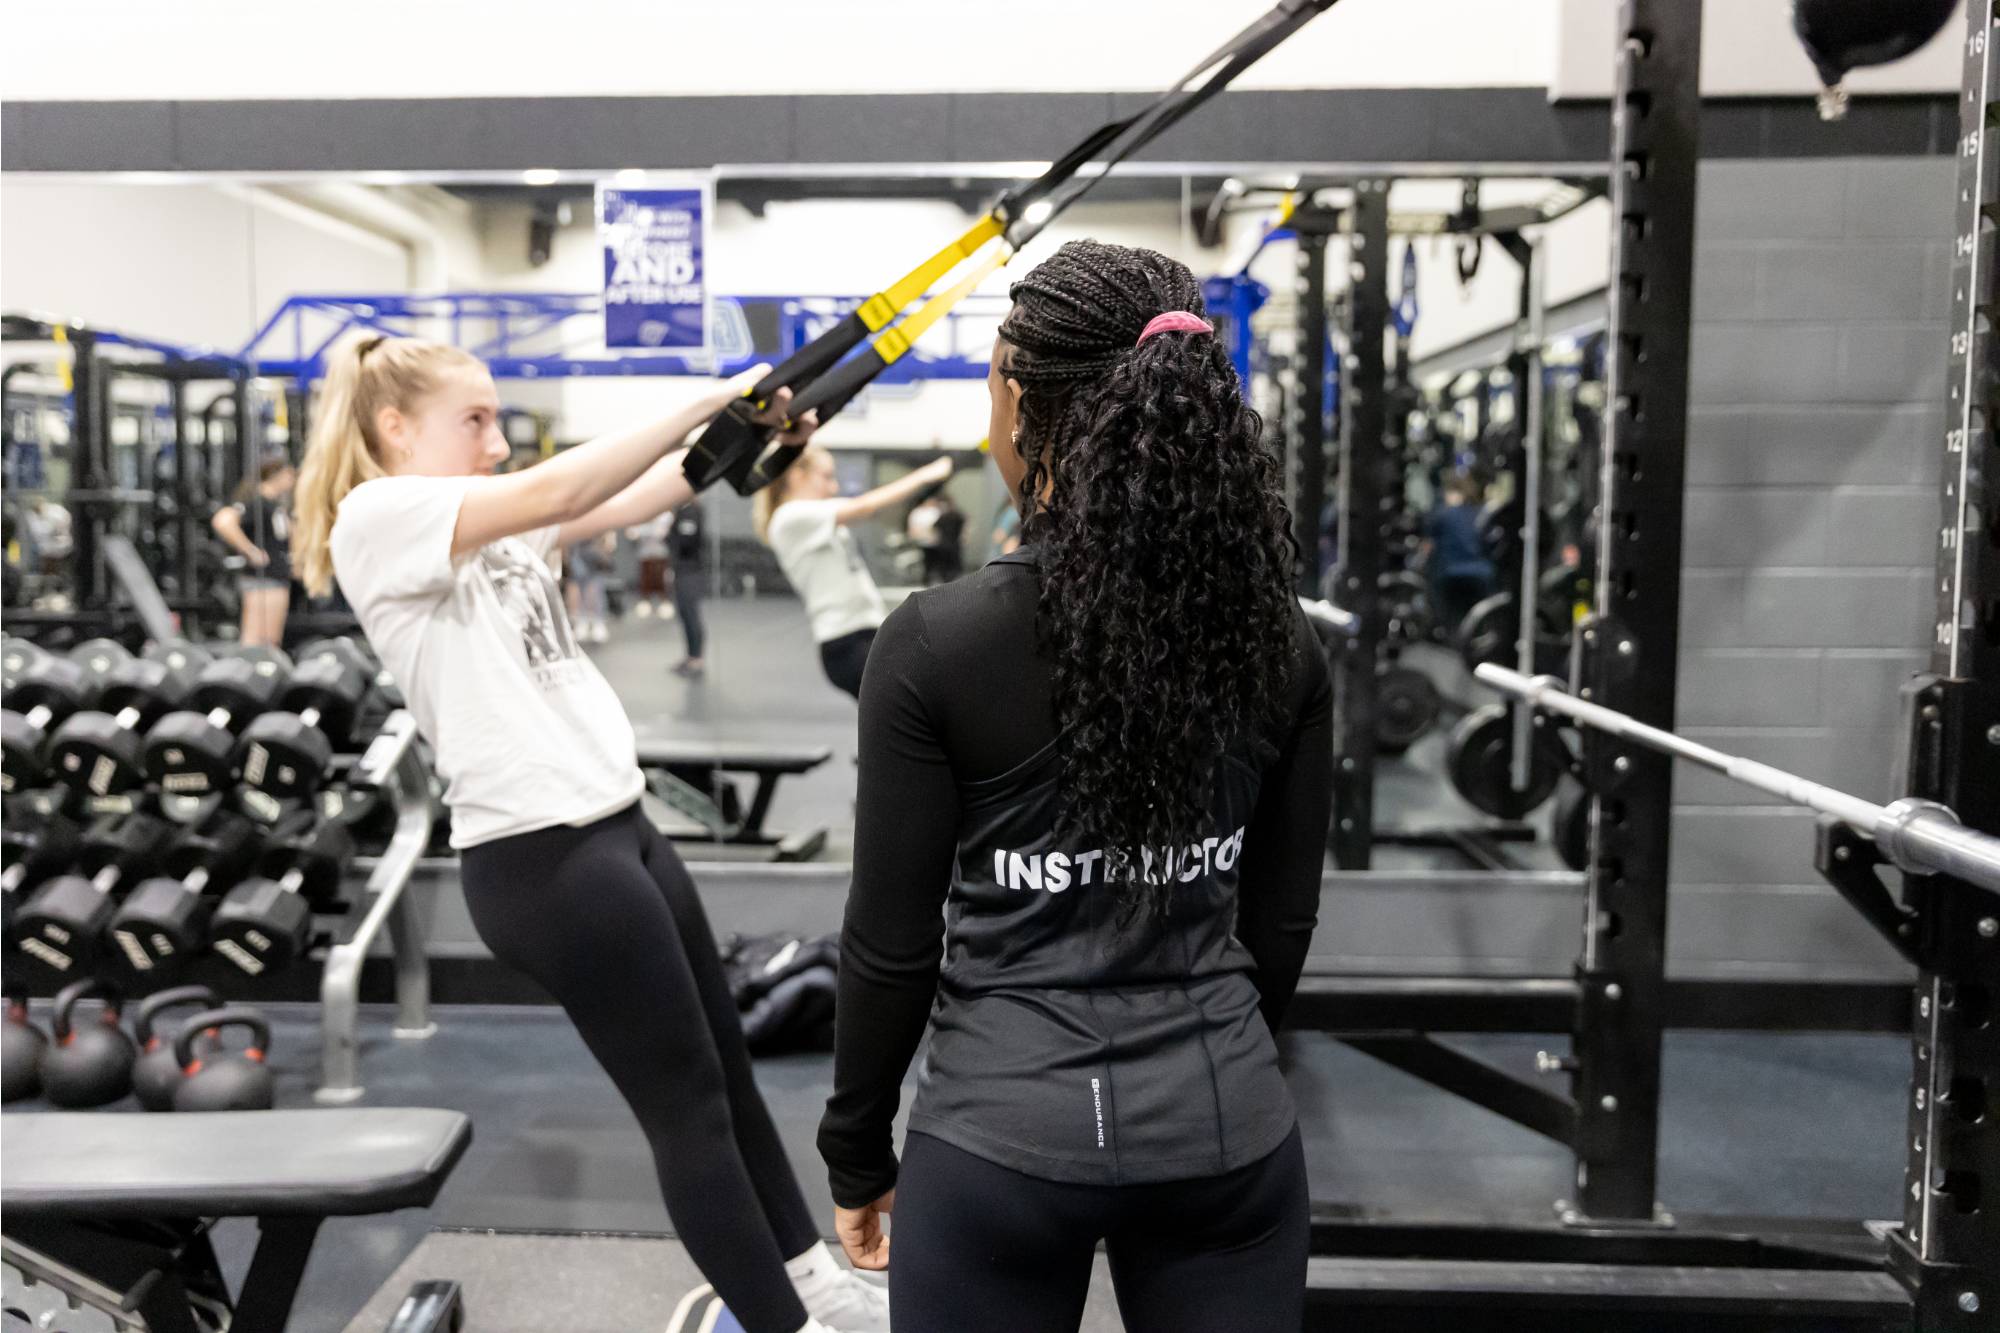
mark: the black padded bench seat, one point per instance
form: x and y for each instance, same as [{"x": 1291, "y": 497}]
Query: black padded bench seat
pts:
[
  {"x": 334, "y": 1163},
  {"x": 114, "y": 1209},
  {"x": 689, "y": 774}
]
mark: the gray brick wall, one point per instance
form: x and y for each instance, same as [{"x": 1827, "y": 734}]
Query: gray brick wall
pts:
[{"x": 1813, "y": 455}]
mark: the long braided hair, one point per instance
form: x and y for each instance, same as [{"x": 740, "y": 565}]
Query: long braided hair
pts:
[{"x": 1164, "y": 547}]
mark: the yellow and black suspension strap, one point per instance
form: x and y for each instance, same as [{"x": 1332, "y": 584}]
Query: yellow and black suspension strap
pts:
[
  {"x": 737, "y": 447},
  {"x": 835, "y": 389},
  {"x": 732, "y": 440}
]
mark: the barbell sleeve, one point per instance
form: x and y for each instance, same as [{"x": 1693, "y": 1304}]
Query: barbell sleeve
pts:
[{"x": 1919, "y": 837}]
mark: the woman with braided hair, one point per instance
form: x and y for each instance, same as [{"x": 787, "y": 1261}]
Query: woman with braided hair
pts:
[{"x": 1105, "y": 761}]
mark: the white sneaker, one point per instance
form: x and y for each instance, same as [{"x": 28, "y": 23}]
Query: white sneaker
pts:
[
  {"x": 643, "y": 610},
  {"x": 852, "y": 1304}
]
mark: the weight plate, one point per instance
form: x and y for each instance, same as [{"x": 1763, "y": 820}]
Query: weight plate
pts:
[
  {"x": 1488, "y": 632},
  {"x": 1406, "y": 708},
  {"x": 1479, "y": 759},
  {"x": 1572, "y": 826}
]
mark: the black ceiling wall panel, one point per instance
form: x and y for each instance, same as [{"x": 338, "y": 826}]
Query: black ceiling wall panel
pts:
[
  {"x": 864, "y": 128},
  {"x": 1462, "y": 125},
  {"x": 88, "y": 136},
  {"x": 1013, "y": 127}
]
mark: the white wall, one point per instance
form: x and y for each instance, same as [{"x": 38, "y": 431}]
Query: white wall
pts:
[
  {"x": 202, "y": 49},
  {"x": 197, "y": 264},
  {"x": 1747, "y": 49}
]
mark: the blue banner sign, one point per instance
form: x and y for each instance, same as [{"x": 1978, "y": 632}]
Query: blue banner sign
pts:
[{"x": 655, "y": 244}]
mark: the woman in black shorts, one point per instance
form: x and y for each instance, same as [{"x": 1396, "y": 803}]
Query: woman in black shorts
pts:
[{"x": 257, "y": 525}]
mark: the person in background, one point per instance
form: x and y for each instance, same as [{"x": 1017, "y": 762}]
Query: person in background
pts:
[
  {"x": 945, "y": 559},
  {"x": 446, "y": 563},
  {"x": 690, "y": 573},
  {"x": 1454, "y": 552},
  {"x": 257, "y": 525},
  {"x": 49, "y": 533},
  {"x": 804, "y": 519},
  {"x": 921, "y": 528},
  {"x": 1095, "y": 784},
  {"x": 587, "y": 566},
  {"x": 650, "y": 540}
]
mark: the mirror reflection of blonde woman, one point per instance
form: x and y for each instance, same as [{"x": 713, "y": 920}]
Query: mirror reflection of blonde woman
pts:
[{"x": 804, "y": 519}]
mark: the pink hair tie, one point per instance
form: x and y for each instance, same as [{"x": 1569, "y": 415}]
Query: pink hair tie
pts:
[{"x": 1175, "y": 321}]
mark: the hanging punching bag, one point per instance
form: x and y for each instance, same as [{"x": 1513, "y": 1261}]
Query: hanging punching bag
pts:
[{"x": 1843, "y": 35}]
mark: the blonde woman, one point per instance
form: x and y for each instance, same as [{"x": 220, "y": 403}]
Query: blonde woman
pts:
[
  {"x": 447, "y": 566},
  {"x": 804, "y": 519}
]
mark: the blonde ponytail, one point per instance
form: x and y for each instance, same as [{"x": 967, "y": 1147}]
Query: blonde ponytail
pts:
[
  {"x": 765, "y": 502},
  {"x": 364, "y": 374}
]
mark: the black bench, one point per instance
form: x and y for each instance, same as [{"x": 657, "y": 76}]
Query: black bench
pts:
[
  {"x": 691, "y": 776},
  {"x": 114, "y": 1211}
]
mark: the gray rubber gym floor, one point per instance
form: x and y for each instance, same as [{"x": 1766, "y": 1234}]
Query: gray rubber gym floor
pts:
[{"x": 1762, "y": 1125}]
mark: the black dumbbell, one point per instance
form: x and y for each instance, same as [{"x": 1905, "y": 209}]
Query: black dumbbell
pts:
[
  {"x": 193, "y": 753},
  {"x": 63, "y": 924},
  {"x": 178, "y": 654},
  {"x": 286, "y": 755},
  {"x": 32, "y": 848},
  {"x": 102, "y": 751},
  {"x": 159, "y": 928},
  {"x": 265, "y": 924},
  {"x": 16, "y": 656},
  {"x": 100, "y": 657},
  {"x": 49, "y": 689}
]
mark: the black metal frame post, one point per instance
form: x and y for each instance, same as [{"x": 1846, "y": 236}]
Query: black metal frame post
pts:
[
  {"x": 1364, "y": 403},
  {"x": 1305, "y": 422},
  {"x": 89, "y": 470},
  {"x": 1947, "y": 1250},
  {"x": 1628, "y": 650}
]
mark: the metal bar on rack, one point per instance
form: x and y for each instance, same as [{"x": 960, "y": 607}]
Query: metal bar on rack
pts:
[
  {"x": 1534, "y": 294},
  {"x": 393, "y": 762},
  {"x": 1920, "y": 837}
]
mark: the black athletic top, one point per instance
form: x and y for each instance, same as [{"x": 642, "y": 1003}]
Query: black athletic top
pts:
[
  {"x": 268, "y": 525},
  {"x": 1063, "y": 1044},
  {"x": 684, "y": 543}
]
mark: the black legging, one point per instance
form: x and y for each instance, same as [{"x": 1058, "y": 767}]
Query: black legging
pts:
[
  {"x": 845, "y": 658},
  {"x": 980, "y": 1248},
  {"x": 687, "y": 601},
  {"x": 606, "y": 918}
]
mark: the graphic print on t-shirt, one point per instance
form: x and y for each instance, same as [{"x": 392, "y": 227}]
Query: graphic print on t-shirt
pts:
[{"x": 532, "y": 602}]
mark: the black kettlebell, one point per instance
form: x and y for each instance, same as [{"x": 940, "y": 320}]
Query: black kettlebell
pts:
[
  {"x": 24, "y": 1043},
  {"x": 157, "y": 1072},
  {"x": 87, "y": 1064},
  {"x": 222, "y": 1079}
]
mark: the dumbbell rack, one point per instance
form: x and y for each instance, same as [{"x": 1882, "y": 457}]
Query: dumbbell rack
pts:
[{"x": 394, "y": 765}]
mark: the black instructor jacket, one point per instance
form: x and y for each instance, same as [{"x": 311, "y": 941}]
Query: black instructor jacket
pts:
[{"x": 1066, "y": 1043}]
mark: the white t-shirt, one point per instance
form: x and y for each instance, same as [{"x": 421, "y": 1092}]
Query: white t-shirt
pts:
[
  {"x": 527, "y": 733},
  {"x": 819, "y": 556}
]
